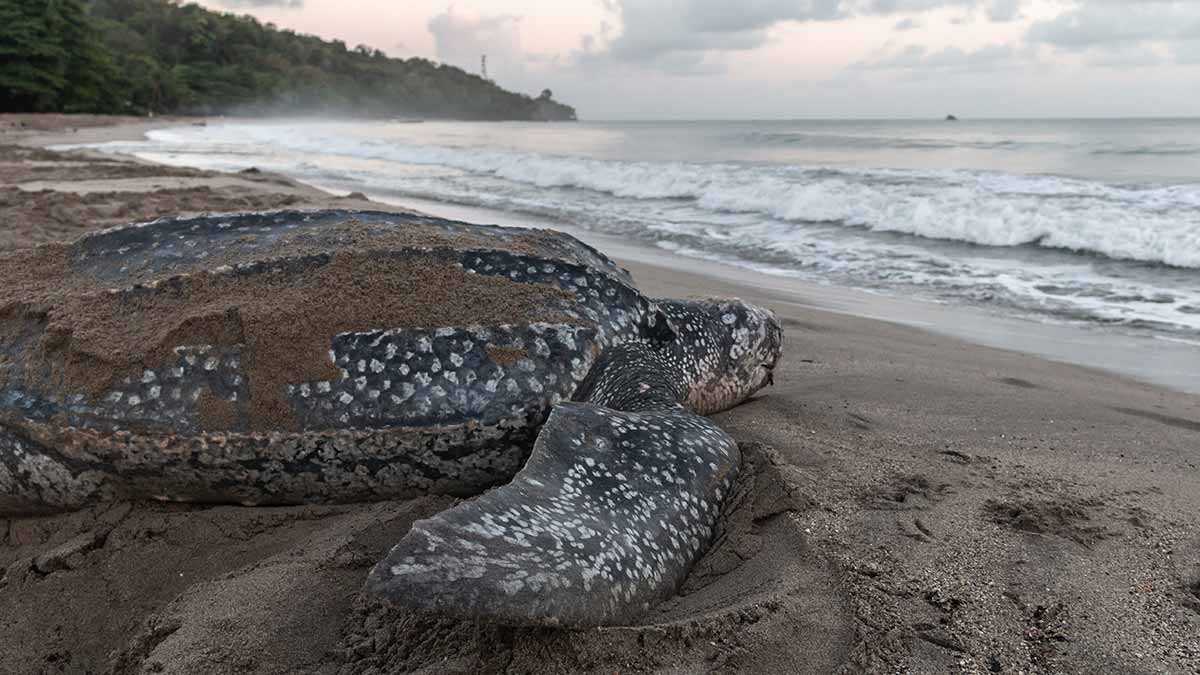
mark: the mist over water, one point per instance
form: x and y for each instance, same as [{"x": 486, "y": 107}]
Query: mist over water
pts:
[{"x": 1087, "y": 221}]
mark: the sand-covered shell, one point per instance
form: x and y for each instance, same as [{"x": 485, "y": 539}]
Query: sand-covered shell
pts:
[{"x": 360, "y": 354}]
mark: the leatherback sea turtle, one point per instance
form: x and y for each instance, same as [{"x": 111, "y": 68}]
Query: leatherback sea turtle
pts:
[{"x": 334, "y": 356}]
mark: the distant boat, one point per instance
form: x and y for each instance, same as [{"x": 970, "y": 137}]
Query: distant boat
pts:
[{"x": 951, "y": 118}]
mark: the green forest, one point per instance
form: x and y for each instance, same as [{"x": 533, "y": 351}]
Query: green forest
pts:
[{"x": 163, "y": 57}]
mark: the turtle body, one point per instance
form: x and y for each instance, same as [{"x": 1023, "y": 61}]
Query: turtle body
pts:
[{"x": 335, "y": 356}]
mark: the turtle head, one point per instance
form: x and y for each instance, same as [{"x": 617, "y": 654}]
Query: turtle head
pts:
[{"x": 726, "y": 349}]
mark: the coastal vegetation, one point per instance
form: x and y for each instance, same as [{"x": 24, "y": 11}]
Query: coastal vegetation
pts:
[{"x": 162, "y": 56}]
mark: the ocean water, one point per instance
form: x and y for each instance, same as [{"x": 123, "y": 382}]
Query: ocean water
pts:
[{"x": 1094, "y": 222}]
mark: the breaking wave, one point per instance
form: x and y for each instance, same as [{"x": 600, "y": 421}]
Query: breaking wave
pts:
[{"x": 1141, "y": 222}]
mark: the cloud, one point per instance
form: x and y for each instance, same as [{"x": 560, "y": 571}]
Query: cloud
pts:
[
  {"x": 1102, "y": 25},
  {"x": 1004, "y": 10},
  {"x": 1187, "y": 53},
  {"x": 242, "y": 4},
  {"x": 716, "y": 15},
  {"x": 995, "y": 10},
  {"x": 673, "y": 33},
  {"x": 461, "y": 37},
  {"x": 898, "y": 6},
  {"x": 1128, "y": 57},
  {"x": 908, "y": 23},
  {"x": 1114, "y": 27},
  {"x": 916, "y": 57},
  {"x": 665, "y": 32}
]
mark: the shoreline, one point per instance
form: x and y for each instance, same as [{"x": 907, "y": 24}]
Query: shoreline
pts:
[{"x": 938, "y": 506}]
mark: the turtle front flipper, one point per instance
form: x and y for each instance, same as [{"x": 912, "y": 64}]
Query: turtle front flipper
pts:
[{"x": 607, "y": 517}]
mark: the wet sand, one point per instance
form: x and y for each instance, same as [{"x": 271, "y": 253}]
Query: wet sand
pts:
[{"x": 918, "y": 504}]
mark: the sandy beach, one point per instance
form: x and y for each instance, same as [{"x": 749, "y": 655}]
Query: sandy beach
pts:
[{"x": 914, "y": 503}]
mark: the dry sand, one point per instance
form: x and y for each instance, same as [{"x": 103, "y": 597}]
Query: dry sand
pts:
[{"x": 916, "y": 504}]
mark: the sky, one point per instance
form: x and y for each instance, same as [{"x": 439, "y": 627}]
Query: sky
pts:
[{"x": 756, "y": 59}]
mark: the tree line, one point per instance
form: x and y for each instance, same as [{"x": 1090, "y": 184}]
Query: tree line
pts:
[{"x": 162, "y": 56}]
